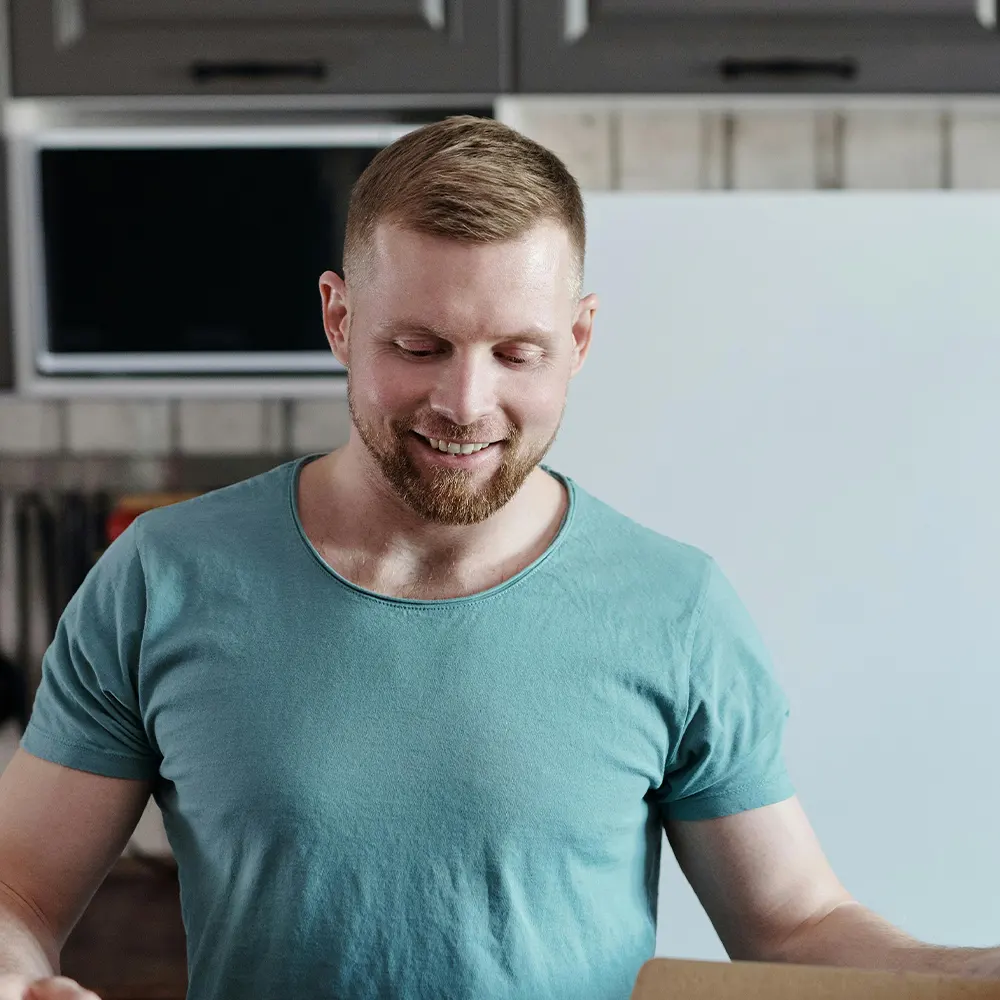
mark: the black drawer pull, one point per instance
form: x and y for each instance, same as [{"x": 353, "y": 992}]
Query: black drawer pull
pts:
[
  {"x": 204, "y": 72},
  {"x": 734, "y": 69}
]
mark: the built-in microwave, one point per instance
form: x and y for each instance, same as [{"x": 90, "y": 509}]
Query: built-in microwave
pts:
[{"x": 142, "y": 252}]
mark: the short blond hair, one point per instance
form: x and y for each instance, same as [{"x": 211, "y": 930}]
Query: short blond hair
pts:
[{"x": 464, "y": 178}]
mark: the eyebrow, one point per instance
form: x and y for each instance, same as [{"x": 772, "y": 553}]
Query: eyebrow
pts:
[{"x": 403, "y": 327}]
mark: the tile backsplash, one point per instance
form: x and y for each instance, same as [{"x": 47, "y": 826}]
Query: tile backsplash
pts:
[
  {"x": 162, "y": 427},
  {"x": 609, "y": 145}
]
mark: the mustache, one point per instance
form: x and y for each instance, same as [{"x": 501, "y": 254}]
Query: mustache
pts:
[{"x": 458, "y": 433}]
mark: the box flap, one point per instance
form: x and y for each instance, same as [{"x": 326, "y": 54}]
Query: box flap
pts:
[{"x": 673, "y": 979}]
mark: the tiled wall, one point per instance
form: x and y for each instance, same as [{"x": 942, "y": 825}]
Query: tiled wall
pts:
[
  {"x": 158, "y": 427},
  {"x": 634, "y": 145}
]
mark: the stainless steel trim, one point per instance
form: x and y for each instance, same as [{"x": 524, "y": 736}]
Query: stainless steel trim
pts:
[
  {"x": 329, "y": 386},
  {"x": 152, "y": 136},
  {"x": 986, "y": 11},
  {"x": 576, "y": 19},
  {"x": 434, "y": 13},
  {"x": 28, "y": 306},
  {"x": 26, "y": 113},
  {"x": 149, "y": 363},
  {"x": 67, "y": 21}
]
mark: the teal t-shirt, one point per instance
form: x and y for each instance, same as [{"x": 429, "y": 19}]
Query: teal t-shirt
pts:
[{"x": 372, "y": 797}]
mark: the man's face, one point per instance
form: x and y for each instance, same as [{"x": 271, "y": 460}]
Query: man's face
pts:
[{"x": 458, "y": 346}]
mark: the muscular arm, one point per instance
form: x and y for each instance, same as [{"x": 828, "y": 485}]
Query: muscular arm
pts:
[
  {"x": 771, "y": 895},
  {"x": 61, "y": 830}
]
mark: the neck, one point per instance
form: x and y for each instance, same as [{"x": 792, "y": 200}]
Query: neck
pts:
[{"x": 368, "y": 535}]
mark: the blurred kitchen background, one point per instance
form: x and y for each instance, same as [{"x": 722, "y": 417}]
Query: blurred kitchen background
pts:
[{"x": 103, "y": 415}]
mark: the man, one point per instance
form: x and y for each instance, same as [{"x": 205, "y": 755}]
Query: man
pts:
[{"x": 416, "y": 711}]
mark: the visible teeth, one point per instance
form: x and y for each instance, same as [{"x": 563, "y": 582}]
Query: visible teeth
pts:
[{"x": 454, "y": 448}]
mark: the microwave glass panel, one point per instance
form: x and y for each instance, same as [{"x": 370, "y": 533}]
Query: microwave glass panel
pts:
[{"x": 192, "y": 250}]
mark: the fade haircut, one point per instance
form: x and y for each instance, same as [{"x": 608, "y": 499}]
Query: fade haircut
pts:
[{"x": 468, "y": 179}]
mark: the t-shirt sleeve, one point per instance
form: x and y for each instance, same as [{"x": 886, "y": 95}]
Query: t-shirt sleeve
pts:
[
  {"x": 86, "y": 712},
  {"x": 729, "y": 756}
]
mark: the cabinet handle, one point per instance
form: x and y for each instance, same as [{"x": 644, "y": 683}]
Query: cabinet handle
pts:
[
  {"x": 733, "y": 68},
  {"x": 576, "y": 19},
  {"x": 434, "y": 13},
  {"x": 204, "y": 72},
  {"x": 986, "y": 11},
  {"x": 67, "y": 22}
]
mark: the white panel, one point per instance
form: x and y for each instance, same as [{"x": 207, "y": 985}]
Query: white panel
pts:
[
  {"x": 810, "y": 382},
  {"x": 774, "y": 150},
  {"x": 660, "y": 150},
  {"x": 140, "y": 428},
  {"x": 975, "y": 150},
  {"x": 889, "y": 150}
]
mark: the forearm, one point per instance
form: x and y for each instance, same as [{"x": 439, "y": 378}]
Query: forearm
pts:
[
  {"x": 26, "y": 947},
  {"x": 855, "y": 936}
]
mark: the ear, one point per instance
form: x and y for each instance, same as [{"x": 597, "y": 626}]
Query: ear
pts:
[
  {"x": 333, "y": 292},
  {"x": 583, "y": 327}
]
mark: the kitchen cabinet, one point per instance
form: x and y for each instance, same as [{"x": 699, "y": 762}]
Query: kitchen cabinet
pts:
[
  {"x": 755, "y": 46},
  {"x": 178, "y": 47}
]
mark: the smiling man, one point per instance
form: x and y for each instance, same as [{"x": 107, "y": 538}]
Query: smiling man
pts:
[{"x": 417, "y": 711}]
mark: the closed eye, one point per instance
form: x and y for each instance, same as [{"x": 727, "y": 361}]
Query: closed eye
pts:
[{"x": 515, "y": 360}]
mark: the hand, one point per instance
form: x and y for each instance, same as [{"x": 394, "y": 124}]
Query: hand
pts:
[{"x": 53, "y": 988}]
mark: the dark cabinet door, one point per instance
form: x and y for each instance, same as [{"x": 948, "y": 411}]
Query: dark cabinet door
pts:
[
  {"x": 123, "y": 47},
  {"x": 762, "y": 46}
]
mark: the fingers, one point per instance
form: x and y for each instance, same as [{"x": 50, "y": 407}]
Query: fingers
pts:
[
  {"x": 57, "y": 988},
  {"x": 12, "y": 987}
]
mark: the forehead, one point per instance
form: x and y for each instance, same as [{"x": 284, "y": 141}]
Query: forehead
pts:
[{"x": 447, "y": 282}]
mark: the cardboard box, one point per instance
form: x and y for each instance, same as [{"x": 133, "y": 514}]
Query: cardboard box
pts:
[{"x": 673, "y": 979}]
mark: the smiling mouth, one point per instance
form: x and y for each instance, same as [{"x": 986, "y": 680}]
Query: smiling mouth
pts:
[{"x": 458, "y": 448}]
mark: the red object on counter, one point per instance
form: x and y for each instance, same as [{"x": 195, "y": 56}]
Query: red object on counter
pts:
[{"x": 130, "y": 507}]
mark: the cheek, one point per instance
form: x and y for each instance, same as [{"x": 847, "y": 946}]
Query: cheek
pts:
[
  {"x": 386, "y": 388},
  {"x": 538, "y": 407}
]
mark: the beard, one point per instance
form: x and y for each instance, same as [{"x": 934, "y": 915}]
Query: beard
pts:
[{"x": 446, "y": 496}]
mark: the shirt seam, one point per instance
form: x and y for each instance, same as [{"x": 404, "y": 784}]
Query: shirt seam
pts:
[
  {"x": 42, "y": 731},
  {"x": 746, "y": 786},
  {"x": 689, "y": 659}
]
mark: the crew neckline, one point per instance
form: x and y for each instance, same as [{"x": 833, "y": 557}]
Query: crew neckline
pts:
[{"x": 293, "y": 502}]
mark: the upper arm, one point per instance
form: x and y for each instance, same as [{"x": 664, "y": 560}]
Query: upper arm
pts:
[
  {"x": 61, "y": 830},
  {"x": 759, "y": 874},
  {"x": 71, "y": 797}
]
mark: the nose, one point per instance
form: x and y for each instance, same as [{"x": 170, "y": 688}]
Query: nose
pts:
[{"x": 465, "y": 389}]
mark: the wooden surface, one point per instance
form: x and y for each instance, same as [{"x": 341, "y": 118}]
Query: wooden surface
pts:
[
  {"x": 672, "y": 979},
  {"x": 129, "y": 945}
]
